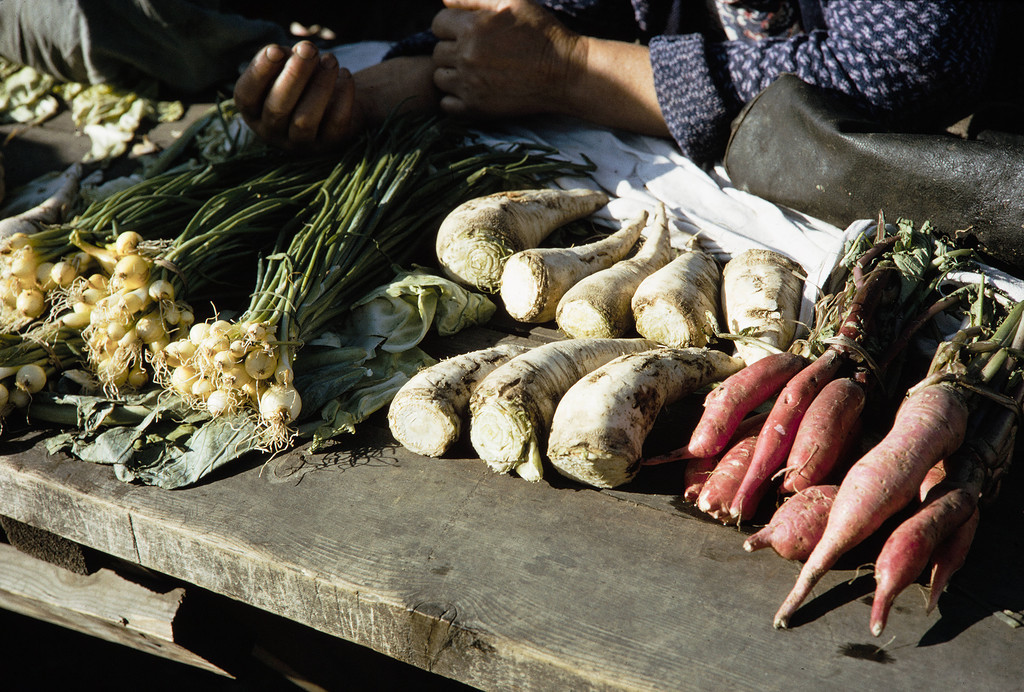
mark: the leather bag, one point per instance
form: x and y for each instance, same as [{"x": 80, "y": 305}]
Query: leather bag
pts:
[{"x": 809, "y": 149}]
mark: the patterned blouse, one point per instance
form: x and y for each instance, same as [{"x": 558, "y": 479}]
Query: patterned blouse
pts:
[{"x": 901, "y": 59}]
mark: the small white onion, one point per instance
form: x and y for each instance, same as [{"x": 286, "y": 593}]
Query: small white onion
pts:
[
  {"x": 31, "y": 303},
  {"x": 280, "y": 404},
  {"x": 150, "y": 329},
  {"x": 138, "y": 377},
  {"x": 127, "y": 243},
  {"x": 24, "y": 263},
  {"x": 182, "y": 378},
  {"x": 260, "y": 363},
  {"x": 63, "y": 273},
  {"x": 30, "y": 378},
  {"x": 130, "y": 272},
  {"x": 75, "y": 320},
  {"x": 198, "y": 332},
  {"x": 202, "y": 388},
  {"x": 43, "y": 276},
  {"x": 20, "y": 399},
  {"x": 220, "y": 327},
  {"x": 161, "y": 289},
  {"x": 219, "y": 402}
]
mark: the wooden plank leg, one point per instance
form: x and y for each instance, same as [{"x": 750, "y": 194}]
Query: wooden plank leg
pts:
[{"x": 102, "y": 604}]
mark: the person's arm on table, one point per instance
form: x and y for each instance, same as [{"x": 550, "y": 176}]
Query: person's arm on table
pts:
[
  {"x": 301, "y": 98},
  {"x": 497, "y": 58}
]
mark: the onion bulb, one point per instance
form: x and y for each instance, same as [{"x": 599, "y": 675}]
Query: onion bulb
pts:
[
  {"x": 219, "y": 402},
  {"x": 130, "y": 272},
  {"x": 280, "y": 404},
  {"x": 63, "y": 273},
  {"x": 182, "y": 378},
  {"x": 30, "y": 378},
  {"x": 20, "y": 399},
  {"x": 161, "y": 289},
  {"x": 127, "y": 243},
  {"x": 138, "y": 377},
  {"x": 44, "y": 276},
  {"x": 261, "y": 363},
  {"x": 31, "y": 303}
]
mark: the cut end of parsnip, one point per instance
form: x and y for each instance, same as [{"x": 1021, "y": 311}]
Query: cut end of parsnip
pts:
[
  {"x": 598, "y": 471},
  {"x": 523, "y": 288},
  {"x": 474, "y": 259},
  {"x": 668, "y": 324},
  {"x": 500, "y": 436},
  {"x": 424, "y": 426},
  {"x": 581, "y": 320}
]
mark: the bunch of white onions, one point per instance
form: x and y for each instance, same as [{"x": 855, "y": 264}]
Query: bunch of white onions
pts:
[
  {"x": 125, "y": 316},
  {"x": 226, "y": 367},
  {"x": 28, "y": 275}
]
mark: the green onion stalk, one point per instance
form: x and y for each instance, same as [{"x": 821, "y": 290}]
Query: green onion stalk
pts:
[
  {"x": 145, "y": 302},
  {"x": 29, "y": 361},
  {"x": 378, "y": 207}
]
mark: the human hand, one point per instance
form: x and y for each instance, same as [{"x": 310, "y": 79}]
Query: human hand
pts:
[
  {"x": 503, "y": 57},
  {"x": 298, "y": 99}
]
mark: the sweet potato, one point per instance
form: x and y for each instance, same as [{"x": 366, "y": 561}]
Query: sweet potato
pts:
[
  {"x": 821, "y": 438},
  {"x": 950, "y": 556},
  {"x": 909, "y": 548},
  {"x": 720, "y": 487},
  {"x": 729, "y": 403},
  {"x": 929, "y": 426},
  {"x": 797, "y": 525},
  {"x": 779, "y": 431},
  {"x": 695, "y": 475}
]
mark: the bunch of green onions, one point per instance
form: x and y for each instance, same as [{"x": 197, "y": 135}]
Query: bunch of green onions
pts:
[{"x": 379, "y": 205}]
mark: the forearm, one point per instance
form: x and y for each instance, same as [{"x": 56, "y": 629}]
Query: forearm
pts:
[
  {"x": 613, "y": 85},
  {"x": 397, "y": 84}
]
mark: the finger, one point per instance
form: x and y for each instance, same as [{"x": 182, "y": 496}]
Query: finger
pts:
[
  {"x": 254, "y": 83},
  {"x": 446, "y": 79},
  {"x": 288, "y": 88},
  {"x": 309, "y": 111},
  {"x": 492, "y": 5},
  {"x": 448, "y": 25},
  {"x": 454, "y": 106},
  {"x": 445, "y": 53},
  {"x": 337, "y": 121}
]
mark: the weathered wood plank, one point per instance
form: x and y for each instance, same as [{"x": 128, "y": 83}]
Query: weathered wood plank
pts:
[
  {"x": 102, "y": 604},
  {"x": 502, "y": 583}
]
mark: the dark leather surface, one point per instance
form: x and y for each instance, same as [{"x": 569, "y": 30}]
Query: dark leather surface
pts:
[{"x": 809, "y": 149}]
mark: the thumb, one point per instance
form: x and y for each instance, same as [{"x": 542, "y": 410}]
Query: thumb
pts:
[{"x": 492, "y": 5}]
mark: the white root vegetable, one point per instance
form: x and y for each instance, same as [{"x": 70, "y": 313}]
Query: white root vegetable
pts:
[
  {"x": 761, "y": 292},
  {"x": 678, "y": 304},
  {"x": 511, "y": 409},
  {"x": 49, "y": 211},
  {"x": 534, "y": 280},
  {"x": 427, "y": 412},
  {"x": 476, "y": 239},
  {"x": 599, "y": 305},
  {"x": 600, "y": 425}
]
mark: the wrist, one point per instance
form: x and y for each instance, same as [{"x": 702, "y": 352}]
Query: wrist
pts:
[
  {"x": 404, "y": 83},
  {"x": 572, "y": 97}
]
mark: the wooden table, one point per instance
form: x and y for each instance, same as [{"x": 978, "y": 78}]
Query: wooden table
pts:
[{"x": 506, "y": 584}]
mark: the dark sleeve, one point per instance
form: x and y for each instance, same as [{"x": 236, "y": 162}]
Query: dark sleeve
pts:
[{"x": 900, "y": 59}]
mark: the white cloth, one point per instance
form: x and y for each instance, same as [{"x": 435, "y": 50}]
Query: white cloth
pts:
[{"x": 639, "y": 172}]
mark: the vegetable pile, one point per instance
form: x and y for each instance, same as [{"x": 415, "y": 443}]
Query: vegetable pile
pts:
[
  {"x": 226, "y": 287},
  {"x": 836, "y": 435},
  {"x": 214, "y": 307}
]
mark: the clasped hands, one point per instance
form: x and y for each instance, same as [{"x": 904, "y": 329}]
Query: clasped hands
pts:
[{"x": 493, "y": 58}]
